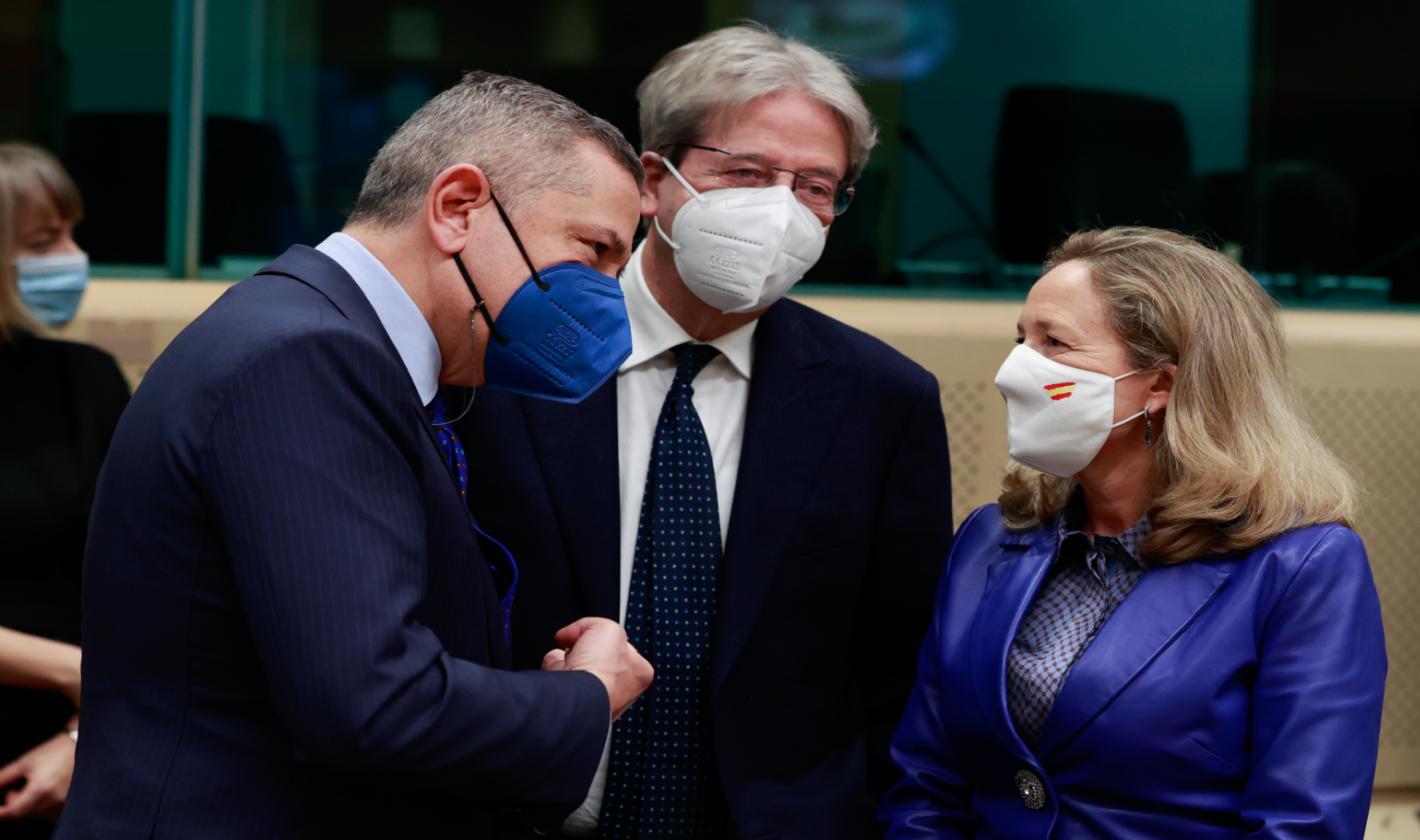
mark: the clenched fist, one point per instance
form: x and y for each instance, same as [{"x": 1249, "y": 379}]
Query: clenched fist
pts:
[{"x": 599, "y": 646}]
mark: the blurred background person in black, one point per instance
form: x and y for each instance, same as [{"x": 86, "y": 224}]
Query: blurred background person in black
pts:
[{"x": 61, "y": 403}]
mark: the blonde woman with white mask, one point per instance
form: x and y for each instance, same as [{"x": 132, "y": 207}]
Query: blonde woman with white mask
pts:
[{"x": 1166, "y": 627}]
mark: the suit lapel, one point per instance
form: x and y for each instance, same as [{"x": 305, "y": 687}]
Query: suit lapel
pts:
[
  {"x": 320, "y": 272},
  {"x": 577, "y": 450},
  {"x": 1011, "y": 585},
  {"x": 796, "y": 402},
  {"x": 325, "y": 275},
  {"x": 1161, "y": 607}
]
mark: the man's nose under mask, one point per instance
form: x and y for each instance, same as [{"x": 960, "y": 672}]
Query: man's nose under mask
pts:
[{"x": 742, "y": 249}]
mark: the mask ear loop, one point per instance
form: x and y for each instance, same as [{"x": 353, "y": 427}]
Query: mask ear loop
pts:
[
  {"x": 694, "y": 194},
  {"x": 670, "y": 167},
  {"x": 1145, "y": 412},
  {"x": 503, "y": 214},
  {"x": 481, "y": 305}
]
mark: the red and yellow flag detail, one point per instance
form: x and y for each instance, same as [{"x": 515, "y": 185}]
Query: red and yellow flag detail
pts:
[{"x": 1060, "y": 390}]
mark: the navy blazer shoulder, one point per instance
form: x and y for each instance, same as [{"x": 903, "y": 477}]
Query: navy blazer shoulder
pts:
[
  {"x": 892, "y": 372},
  {"x": 290, "y": 629},
  {"x": 1236, "y": 694}
]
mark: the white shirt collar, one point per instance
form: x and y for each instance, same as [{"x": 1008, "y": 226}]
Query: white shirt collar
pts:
[
  {"x": 411, "y": 335},
  {"x": 654, "y": 331}
]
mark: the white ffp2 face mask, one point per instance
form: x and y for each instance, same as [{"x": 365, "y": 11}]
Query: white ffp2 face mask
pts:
[
  {"x": 740, "y": 249},
  {"x": 1057, "y": 417}
]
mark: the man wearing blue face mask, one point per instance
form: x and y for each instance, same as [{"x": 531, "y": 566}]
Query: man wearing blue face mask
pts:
[
  {"x": 762, "y": 494},
  {"x": 296, "y": 629}
]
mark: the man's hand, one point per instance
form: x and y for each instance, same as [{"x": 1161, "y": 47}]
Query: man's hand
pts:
[
  {"x": 599, "y": 646},
  {"x": 45, "y": 772}
]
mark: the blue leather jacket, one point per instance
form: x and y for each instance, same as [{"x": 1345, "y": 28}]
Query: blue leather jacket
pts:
[{"x": 1234, "y": 696}]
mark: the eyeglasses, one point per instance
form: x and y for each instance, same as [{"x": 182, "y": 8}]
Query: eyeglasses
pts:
[{"x": 819, "y": 193}]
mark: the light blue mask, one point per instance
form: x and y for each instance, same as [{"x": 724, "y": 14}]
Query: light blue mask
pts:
[{"x": 51, "y": 287}]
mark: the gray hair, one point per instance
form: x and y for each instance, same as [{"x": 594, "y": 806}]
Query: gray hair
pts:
[
  {"x": 720, "y": 72},
  {"x": 517, "y": 132}
]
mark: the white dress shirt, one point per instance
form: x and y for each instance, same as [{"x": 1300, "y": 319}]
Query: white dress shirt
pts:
[
  {"x": 411, "y": 335},
  {"x": 721, "y": 397}
]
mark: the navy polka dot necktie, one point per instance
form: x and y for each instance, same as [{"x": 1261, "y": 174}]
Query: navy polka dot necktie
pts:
[{"x": 661, "y": 781}]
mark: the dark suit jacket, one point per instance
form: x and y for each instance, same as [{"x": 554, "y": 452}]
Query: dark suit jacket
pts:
[
  {"x": 290, "y": 630},
  {"x": 840, "y": 525}
]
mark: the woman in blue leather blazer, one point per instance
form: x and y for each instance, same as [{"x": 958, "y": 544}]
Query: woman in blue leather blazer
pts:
[{"x": 1165, "y": 628}]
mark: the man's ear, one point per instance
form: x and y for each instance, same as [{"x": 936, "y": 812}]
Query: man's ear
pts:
[
  {"x": 451, "y": 205},
  {"x": 1162, "y": 388},
  {"x": 655, "y": 172}
]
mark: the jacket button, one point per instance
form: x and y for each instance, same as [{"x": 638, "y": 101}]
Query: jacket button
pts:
[{"x": 1031, "y": 789}]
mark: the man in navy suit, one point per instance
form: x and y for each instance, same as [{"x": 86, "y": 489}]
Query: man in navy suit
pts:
[
  {"x": 762, "y": 492},
  {"x": 292, "y": 626}
]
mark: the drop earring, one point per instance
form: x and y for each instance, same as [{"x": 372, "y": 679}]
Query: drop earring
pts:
[{"x": 1148, "y": 428}]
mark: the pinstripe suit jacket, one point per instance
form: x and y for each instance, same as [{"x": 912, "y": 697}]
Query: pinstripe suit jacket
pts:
[{"x": 290, "y": 630}]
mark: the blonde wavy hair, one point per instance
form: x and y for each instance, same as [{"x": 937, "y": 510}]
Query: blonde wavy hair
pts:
[
  {"x": 1235, "y": 462},
  {"x": 27, "y": 173}
]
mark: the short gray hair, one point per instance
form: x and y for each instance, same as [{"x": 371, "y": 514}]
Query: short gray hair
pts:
[
  {"x": 720, "y": 72},
  {"x": 517, "y": 132}
]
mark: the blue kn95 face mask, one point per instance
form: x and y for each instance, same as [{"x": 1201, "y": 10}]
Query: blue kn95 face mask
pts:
[{"x": 561, "y": 335}]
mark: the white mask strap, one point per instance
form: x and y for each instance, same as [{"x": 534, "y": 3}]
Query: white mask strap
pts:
[
  {"x": 656, "y": 220},
  {"x": 1140, "y": 414},
  {"x": 670, "y": 167},
  {"x": 1130, "y": 419}
]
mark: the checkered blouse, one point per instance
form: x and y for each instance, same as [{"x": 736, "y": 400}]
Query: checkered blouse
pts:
[{"x": 1091, "y": 577}]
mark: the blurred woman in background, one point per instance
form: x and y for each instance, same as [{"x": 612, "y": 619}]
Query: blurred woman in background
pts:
[
  {"x": 60, "y": 405},
  {"x": 1166, "y": 628}
]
